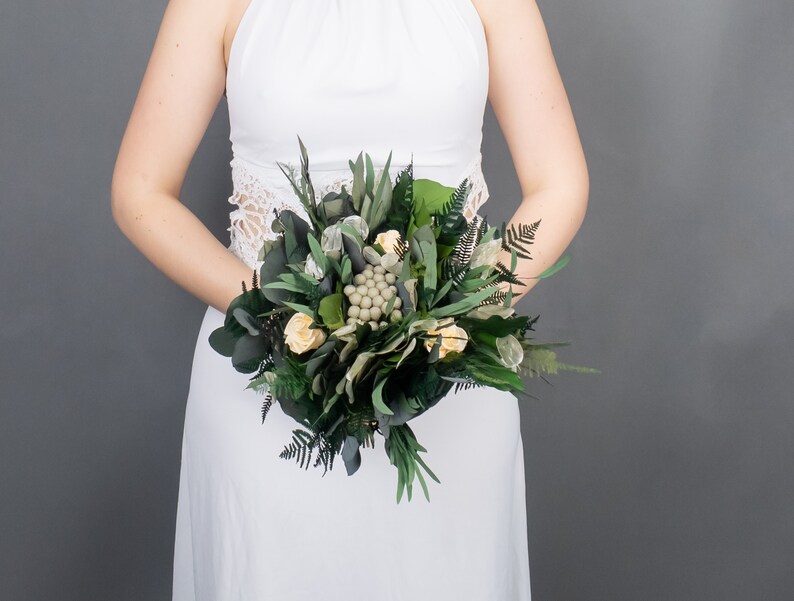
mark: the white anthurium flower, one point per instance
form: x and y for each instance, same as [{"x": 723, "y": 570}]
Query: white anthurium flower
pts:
[
  {"x": 358, "y": 223},
  {"x": 331, "y": 241},
  {"x": 510, "y": 351},
  {"x": 486, "y": 254},
  {"x": 313, "y": 269}
]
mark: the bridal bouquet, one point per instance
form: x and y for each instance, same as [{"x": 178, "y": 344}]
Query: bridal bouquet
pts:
[{"x": 368, "y": 314}]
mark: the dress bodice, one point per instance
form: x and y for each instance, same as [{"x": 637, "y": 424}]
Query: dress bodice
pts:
[{"x": 403, "y": 76}]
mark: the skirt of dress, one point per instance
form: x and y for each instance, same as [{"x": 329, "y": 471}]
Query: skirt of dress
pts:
[{"x": 252, "y": 526}]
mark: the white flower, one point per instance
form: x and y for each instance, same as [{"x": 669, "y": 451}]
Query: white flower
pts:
[
  {"x": 358, "y": 223},
  {"x": 486, "y": 254},
  {"x": 313, "y": 268},
  {"x": 331, "y": 241},
  {"x": 510, "y": 351},
  {"x": 299, "y": 337},
  {"x": 453, "y": 338},
  {"x": 388, "y": 240}
]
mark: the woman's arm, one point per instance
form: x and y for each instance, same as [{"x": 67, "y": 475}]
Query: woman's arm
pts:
[
  {"x": 531, "y": 106},
  {"x": 179, "y": 93}
]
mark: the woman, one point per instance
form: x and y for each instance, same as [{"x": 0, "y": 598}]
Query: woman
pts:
[{"x": 406, "y": 76}]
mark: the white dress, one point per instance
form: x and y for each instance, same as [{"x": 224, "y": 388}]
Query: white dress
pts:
[{"x": 411, "y": 77}]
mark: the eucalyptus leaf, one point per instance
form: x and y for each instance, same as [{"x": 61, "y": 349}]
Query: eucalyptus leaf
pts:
[
  {"x": 245, "y": 319},
  {"x": 351, "y": 454},
  {"x": 223, "y": 341},
  {"x": 377, "y": 398},
  {"x": 248, "y": 351},
  {"x": 464, "y": 305}
]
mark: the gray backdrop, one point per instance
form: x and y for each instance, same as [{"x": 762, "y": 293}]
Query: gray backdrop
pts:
[{"x": 667, "y": 477}]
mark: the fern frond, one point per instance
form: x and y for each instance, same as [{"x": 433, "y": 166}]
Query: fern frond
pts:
[
  {"x": 266, "y": 405},
  {"x": 467, "y": 242},
  {"x": 401, "y": 248},
  {"x": 518, "y": 239},
  {"x": 505, "y": 275},
  {"x": 450, "y": 214},
  {"x": 304, "y": 443},
  {"x": 542, "y": 360}
]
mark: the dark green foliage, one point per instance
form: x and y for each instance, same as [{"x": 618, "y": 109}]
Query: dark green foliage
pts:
[
  {"x": 402, "y": 201},
  {"x": 305, "y": 443},
  {"x": 290, "y": 380},
  {"x": 403, "y": 450},
  {"x": 450, "y": 217}
]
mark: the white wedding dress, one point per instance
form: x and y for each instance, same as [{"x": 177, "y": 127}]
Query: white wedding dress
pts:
[{"x": 411, "y": 77}]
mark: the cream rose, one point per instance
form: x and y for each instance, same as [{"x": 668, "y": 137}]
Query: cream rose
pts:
[
  {"x": 388, "y": 240},
  {"x": 453, "y": 338},
  {"x": 299, "y": 336}
]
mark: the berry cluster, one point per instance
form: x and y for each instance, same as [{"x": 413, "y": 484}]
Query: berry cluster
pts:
[{"x": 368, "y": 295}]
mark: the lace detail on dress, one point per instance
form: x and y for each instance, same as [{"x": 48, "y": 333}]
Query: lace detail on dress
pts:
[{"x": 257, "y": 202}]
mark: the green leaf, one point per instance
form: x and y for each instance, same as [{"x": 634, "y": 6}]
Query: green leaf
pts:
[
  {"x": 441, "y": 293},
  {"x": 317, "y": 253},
  {"x": 464, "y": 305},
  {"x": 359, "y": 183},
  {"x": 433, "y": 194},
  {"x": 284, "y": 286},
  {"x": 299, "y": 308},
  {"x": 370, "y": 179},
  {"x": 330, "y": 311},
  {"x": 274, "y": 265},
  {"x": 377, "y": 398},
  {"x": 223, "y": 341},
  {"x": 429, "y": 281},
  {"x": 347, "y": 270},
  {"x": 562, "y": 262},
  {"x": 382, "y": 198}
]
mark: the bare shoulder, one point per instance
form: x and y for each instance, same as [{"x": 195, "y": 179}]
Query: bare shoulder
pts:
[{"x": 494, "y": 12}]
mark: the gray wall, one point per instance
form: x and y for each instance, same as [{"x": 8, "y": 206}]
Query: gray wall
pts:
[{"x": 667, "y": 477}]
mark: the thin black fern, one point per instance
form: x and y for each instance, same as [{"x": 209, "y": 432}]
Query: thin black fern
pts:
[
  {"x": 507, "y": 276},
  {"x": 304, "y": 443},
  {"x": 450, "y": 214},
  {"x": 266, "y": 405},
  {"x": 466, "y": 243},
  {"x": 518, "y": 239},
  {"x": 401, "y": 248},
  {"x": 497, "y": 298}
]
